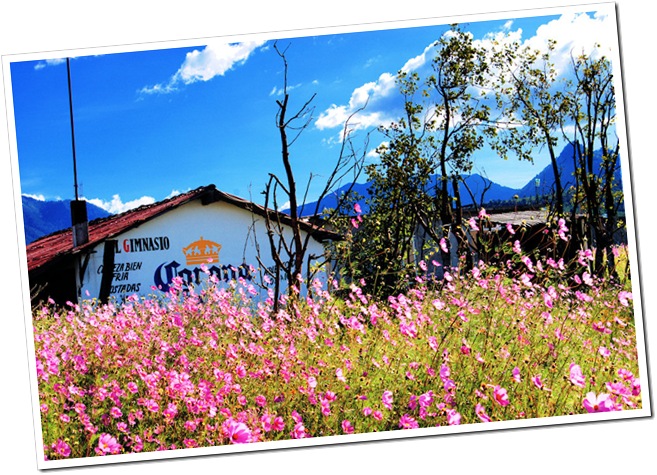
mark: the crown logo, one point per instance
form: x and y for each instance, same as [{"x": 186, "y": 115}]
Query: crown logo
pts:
[{"x": 202, "y": 251}]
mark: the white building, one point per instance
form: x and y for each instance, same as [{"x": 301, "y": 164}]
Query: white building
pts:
[{"x": 142, "y": 250}]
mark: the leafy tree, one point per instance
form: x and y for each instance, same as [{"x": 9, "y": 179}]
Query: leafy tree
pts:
[
  {"x": 442, "y": 126},
  {"x": 461, "y": 117},
  {"x": 528, "y": 93},
  {"x": 592, "y": 115}
]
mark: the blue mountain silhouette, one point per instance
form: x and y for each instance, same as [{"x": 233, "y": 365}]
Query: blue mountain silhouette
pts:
[
  {"x": 478, "y": 185},
  {"x": 41, "y": 218}
]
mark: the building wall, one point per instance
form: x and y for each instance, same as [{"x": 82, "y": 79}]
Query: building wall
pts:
[{"x": 148, "y": 257}]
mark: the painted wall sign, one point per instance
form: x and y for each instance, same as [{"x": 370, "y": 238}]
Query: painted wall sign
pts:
[{"x": 220, "y": 237}]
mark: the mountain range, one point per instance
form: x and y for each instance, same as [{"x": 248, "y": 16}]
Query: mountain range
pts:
[
  {"x": 41, "y": 218},
  {"x": 541, "y": 184},
  {"x": 44, "y": 217}
]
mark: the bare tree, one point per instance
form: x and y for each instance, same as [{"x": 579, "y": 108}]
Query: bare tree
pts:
[{"x": 289, "y": 249}]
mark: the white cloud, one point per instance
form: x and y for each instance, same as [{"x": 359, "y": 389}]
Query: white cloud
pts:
[
  {"x": 35, "y": 197},
  {"x": 375, "y": 152},
  {"x": 49, "y": 62},
  {"x": 574, "y": 33},
  {"x": 366, "y": 96},
  {"x": 174, "y": 193},
  {"x": 116, "y": 205},
  {"x": 278, "y": 91},
  {"x": 216, "y": 59}
]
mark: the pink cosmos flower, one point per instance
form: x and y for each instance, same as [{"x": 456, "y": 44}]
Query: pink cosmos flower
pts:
[
  {"x": 115, "y": 412},
  {"x": 378, "y": 415},
  {"x": 509, "y": 228},
  {"x": 453, "y": 417},
  {"x": 408, "y": 422},
  {"x": 347, "y": 428},
  {"x": 473, "y": 224},
  {"x": 501, "y": 396},
  {"x": 576, "y": 376},
  {"x": 387, "y": 399},
  {"x": 600, "y": 403},
  {"x": 278, "y": 424},
  {"x": 107, "y": 445},
  {"x": 537, "y": 381},
  {"x": 516, "y": 374},
  {"x": 237, "y": 432},
  {"x": 623, "y": 298},
  {"x": 62, "y": 448},
  {"x": 340, "y": 375},
  {"x": 443, "y": 245},
  {"x": 299, "y": 431},
  {"x": 481, "y": 413},
  {"x": 563, "y": 229}
]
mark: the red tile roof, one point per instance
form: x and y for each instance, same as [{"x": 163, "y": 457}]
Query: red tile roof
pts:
[{"x": 59, "y": 245}]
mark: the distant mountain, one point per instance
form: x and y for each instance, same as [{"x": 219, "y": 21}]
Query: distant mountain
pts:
[
  {"x": 41, "y": 218},
  {"x": 566, "y": 172},
  {"x": 478, "y": 184}
]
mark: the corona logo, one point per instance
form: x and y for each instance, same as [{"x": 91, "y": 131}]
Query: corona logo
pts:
[{"x": 202, "y": 251}]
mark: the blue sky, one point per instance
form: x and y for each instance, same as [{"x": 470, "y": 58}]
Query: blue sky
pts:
[{"x": 150, "y": 124}]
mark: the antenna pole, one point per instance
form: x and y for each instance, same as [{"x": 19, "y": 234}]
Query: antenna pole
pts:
[{"x": 70, "y": 106}]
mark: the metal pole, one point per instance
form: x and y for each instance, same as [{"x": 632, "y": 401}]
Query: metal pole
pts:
[{"x": 70, "y": 106}]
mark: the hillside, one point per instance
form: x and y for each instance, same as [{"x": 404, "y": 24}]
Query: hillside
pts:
[
  {"x": 41, "y": 218},
  {"x": 478, "y": 185}
]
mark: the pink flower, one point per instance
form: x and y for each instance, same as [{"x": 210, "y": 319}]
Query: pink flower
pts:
[
  {"x": 501, "y": 396},
  {"x": 62, "y": 448},
  {"x": 278, "y": 424},
  {"x": 473, "y": 224},
  {"x": 453, "y": 417},
  {"x": 378, "y": 415},
  {"x": 115, "y": 412},
  {"x": 599, "y": 403},
  {"x": 340, "y": 375},
  {"x": 237, "y": 432},
  {"x": 576, "y": 376},
  {"x": 357, "y": 208},
  {"x": 387, "y": 399},
  {"x": 537, "y": 381},
  {"x": 367, "y": 411},
  {"x": 299, "y": 431},
  {"x": 623, "y": 298},
  {"x": 509, "y": 228},
  {"x": 107, "y": 445},
  {"x": 563, "y": 229},
  {"x": 408, "y": 422},
  {"x": 516, "y": 374},
  {"x": 347, "y": 428},
  {"x": 481, "y": 413}
]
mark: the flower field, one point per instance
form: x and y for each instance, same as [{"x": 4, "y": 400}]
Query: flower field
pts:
[{"x": 210, "y": 366}]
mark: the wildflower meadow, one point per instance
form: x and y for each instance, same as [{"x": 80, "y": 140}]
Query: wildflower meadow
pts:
[{"x": 214, "y": 365}]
